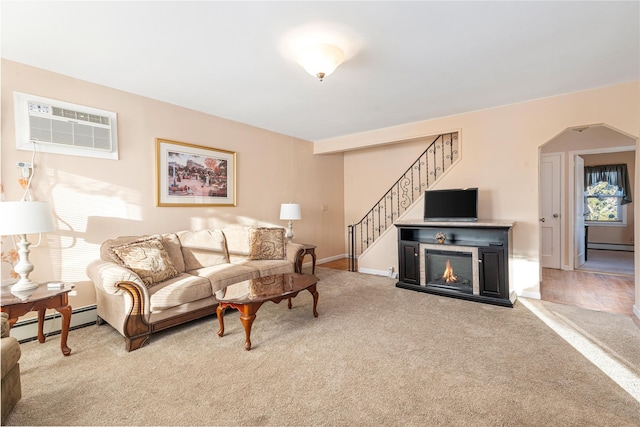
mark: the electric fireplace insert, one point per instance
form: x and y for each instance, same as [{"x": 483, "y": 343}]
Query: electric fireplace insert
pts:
[{"x": 448, "y": 269}]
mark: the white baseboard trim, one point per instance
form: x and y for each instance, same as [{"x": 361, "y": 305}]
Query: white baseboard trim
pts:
[
  {"x": 530, "y": 295},
  {"x": 328, "y": 259},
  {"x": 611, "y": 246},
  {"x": 27, "y": 330},
  {"x": 377, "y": 272}
]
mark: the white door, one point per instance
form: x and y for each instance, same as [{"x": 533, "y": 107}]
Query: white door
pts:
[
  {"x": 550, "y": 193},
  {"x": 579, "y": 231}
]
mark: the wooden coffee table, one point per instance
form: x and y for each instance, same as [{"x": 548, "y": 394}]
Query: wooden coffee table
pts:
[{"x": 248, "y": 296}]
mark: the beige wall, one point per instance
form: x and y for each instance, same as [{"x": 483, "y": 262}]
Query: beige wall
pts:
[
  {"x": 500, "y": 152},
  {"x": 376, "y": 169},
  {"x": 95, "y": 199}
]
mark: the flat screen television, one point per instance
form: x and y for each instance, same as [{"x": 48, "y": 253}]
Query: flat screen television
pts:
[{"x": 460, "y": 204}]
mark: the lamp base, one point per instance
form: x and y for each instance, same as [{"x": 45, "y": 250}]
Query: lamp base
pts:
[
  {"x": 23, "y": 268},
  {"x": 289, "y": 232},
  {"x": 24, "y": 285}
]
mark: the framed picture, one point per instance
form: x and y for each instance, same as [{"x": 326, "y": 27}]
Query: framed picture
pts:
[{"x": 193, "y": 175}]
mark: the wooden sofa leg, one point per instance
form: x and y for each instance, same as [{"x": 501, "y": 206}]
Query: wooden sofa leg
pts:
[
  {"x": 136, "y": 329},
  {"x": 135, "y": 343}
]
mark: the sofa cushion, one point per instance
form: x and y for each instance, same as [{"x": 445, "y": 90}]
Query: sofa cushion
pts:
[
  {"x": 10, "y": 353},
  {"x": 224, "y": 275},
  {"x": 179, "y": 290},
  {"x": 266, "y": 243},
  {"x": 147, "y": 258},
  {"x": 171, "y": 244},
  {"x": 269, "y": 267},
  {"x": 5, "y": 324},
  {"x": 237, "y": 238},
  {"x": 202, "y": 248},
  {"x": 9, "y": 349}
]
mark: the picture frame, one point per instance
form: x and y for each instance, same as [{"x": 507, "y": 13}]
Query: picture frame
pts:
[{"x": 194, "y": 175}]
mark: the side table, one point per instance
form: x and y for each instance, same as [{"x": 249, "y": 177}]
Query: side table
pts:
[
  {"x": 308, "y": 250},
  {"x": 40, "y": 300}
]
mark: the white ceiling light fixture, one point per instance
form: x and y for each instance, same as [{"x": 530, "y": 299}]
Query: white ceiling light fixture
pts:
[{"x": 320, "y": 60}]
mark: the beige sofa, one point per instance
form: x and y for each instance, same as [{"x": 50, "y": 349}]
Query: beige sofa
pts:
[
  {"x": 11, "y": 389},
  {"x": 148, "y": 283}
]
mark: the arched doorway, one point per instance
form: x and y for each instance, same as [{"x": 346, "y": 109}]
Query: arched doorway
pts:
[{"x": 600, "y": 287}]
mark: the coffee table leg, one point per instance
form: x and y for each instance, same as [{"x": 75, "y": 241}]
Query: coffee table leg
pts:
[
  {"x": 220, "y": 313},
  {"x": 247, "y": 320},
  {"x": 314, "y": 292}
]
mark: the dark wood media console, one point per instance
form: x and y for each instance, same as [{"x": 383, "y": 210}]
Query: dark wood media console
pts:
[{"x": 483, "y": 250}]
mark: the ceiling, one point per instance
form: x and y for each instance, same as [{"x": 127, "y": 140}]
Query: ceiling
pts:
[{"x": 406, "y": 61}]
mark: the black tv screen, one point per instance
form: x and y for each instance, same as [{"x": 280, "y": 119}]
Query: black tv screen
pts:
[{"x": 451, "y": 205}]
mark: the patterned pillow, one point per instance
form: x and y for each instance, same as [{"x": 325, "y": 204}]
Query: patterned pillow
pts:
[
  {"x": 147, "y": 258},
  {"x": 265, "y": 286},
  {"x": 266, "y": 243}
]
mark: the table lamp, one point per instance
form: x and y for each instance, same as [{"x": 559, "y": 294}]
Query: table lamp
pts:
[
  {"x": 290, "y": 212},
  {"x": 19, "y": 219}
]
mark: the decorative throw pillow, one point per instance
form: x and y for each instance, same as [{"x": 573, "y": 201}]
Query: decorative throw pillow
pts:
[
  {"x": 147, "y": 258},
  {"x": 266, "y": 243}
]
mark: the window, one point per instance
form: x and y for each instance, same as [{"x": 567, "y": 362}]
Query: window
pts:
[
  {"x": 603, "y": 204},
  {"x": 607, "y": 193}
]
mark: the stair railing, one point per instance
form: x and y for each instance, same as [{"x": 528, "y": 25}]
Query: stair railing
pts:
[{"x": 427, "y": 168}]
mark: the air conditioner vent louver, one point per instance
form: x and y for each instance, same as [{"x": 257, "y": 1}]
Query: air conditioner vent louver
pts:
[
  {"x": 61, "y": 127},
  {"x": 70, "y": 114}
]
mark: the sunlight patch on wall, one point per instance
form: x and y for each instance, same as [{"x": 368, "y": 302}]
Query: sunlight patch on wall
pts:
[
  {"x": 525, "y": 277},
  {"x": 76, "y": 201},
  {"x": 221, "y": 220}
]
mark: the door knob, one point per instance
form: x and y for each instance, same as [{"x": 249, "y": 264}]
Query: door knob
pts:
[
  {"x": 541, "y": 219},
  {"x": 556, "y": 215}
]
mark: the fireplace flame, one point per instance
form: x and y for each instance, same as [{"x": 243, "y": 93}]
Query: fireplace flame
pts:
[{"x": 448, "y": 275}]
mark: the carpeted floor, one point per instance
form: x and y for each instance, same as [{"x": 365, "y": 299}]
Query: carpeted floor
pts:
[
  {"x": 618, "y": 262},
  {"x": 376, "y": 355}
]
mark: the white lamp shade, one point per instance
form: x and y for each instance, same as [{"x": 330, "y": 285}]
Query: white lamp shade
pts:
[
  {"x": 290, "y": 211},
  {"x": 320, "y": 59},
  {"x": 25, "y": 217}
]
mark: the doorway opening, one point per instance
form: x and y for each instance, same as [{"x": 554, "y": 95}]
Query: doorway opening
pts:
[{"x": 587, "y": 264}]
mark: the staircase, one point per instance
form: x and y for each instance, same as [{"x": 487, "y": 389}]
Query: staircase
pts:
[{"x": 439, "y": 156}]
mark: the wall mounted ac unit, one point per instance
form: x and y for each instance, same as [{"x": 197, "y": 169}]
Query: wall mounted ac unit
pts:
[{"x": 64, "y": 128}]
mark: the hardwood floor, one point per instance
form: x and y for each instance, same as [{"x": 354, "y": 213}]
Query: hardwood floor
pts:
[
  {"x": 338, "y": 264},
  {"x": 604, "y": 283},
  {"x": 614, "y": 293}
]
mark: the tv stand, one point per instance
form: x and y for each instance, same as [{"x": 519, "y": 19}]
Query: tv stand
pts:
[{"x": 488, "y": 242}]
